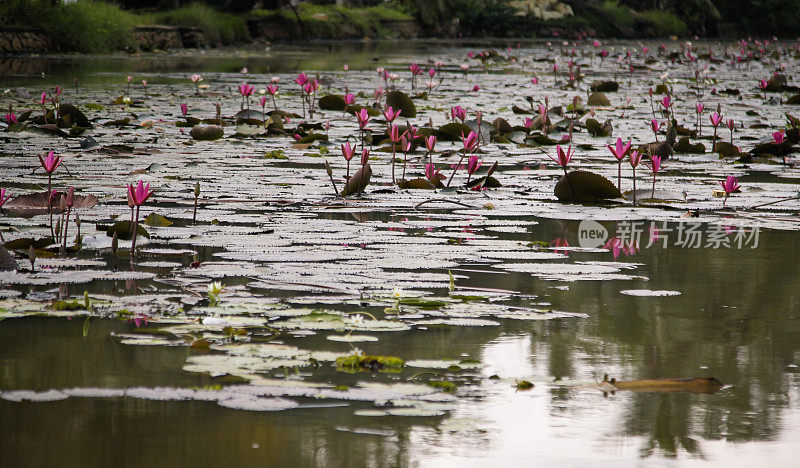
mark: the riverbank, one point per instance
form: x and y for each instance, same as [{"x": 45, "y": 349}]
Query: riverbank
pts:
[{"x": 91, "y": 26}]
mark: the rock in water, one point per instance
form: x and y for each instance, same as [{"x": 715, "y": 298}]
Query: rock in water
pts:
[
  {"x": 7, "y": 262},
  {"x": 585, "y": 186},
  {"x": 207, "y": 132}
]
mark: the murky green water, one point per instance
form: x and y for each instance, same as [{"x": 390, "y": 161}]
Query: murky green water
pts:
[{"x": 560, "y": 317}]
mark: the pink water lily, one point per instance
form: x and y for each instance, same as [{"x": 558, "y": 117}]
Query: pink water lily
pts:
[
  {"x": 140, "y": 193},
  {"x": 391, "y": 114},
  {"x": 301, "y": 79},
  {"x": 458, "y": 113},
  {"x": 564, "y": 157},
  {"x": 655, "y": 126},
  {"x": 50, "y": 162},
  {"x": 655, "y": 167},
  {"x": 349, "y": 99},
  {"x": 364, "y": 157},
  {"x": 635, "y": 158},
  {"x": 246, "y": 90},
  {"x": 528, "y": 124},
  {"x": 729, "y": 186},
  {"x": 431, "y": 173},
  {"x": 779, "y": 137},
  {"x": 196, "y": 78},
  {"x": 43, "y": 100},
  {"x": 3, "y": 197},
  {"x": 535, "y": 80},
  {"x": 470, "y": 141},
  {"x": 11, "y": 118},
  {"x": 363, "y": 118},
  {"x": 620, "y": 150},
  {"x": 473, "y": 164},
  {"x": 666, "y": 102},
  {"x": 184, "y": 109},
  {"x": 716, "y": 118},
  {"x": 136, "y": 197},
  {"x": 430, "y": 142}
]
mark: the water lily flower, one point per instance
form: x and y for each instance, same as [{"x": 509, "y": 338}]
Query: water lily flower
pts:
[
  {"x": 379, "y": 92},
  {"x": 301, "y": 79},
  {"x": 3, "y": 197},
  {"x": 655, "y": 126},
  {"x": 535, "y": 80},
  {"x": 528, "y": 124},
  {"x": 184, "y": 109},
  {"x": 430, "y": 142},
  {"x": 763, "y": 84},
  {"x": 655, "y": 167},
  {"x": 473, "y": 164},
  {"x": 140, "y": 194},
  {"x": 779, "y": 137},
  {"x": 431, "y": 72},
  {"x": 431, "y": 173},
  {"x": 11, "y": 118},
  {"x": 564, "y": 157},
  {"x": 666, "y": 102},
  {"x": 349, "y": 99},
  {"x": 272, "y": 89},
  {"x": 458, "y": 113},
  {"x": 364, "y": 157},
  {"x": 50, "y": 162},
  {"x": 246, "y": 90},
  {"x": 620, "y": 150},
  {"x": 136, "y": 197},
  {"x": 347, "y": 151},
  {"x": 196, "y": 78},
  {"x": 729, "y": 186},
  {"x": 363, "y": 118},
  {"x": 716, "y": 118},
  {"x": 391, "y": 114},
  {"x": 470, "y": 141}
]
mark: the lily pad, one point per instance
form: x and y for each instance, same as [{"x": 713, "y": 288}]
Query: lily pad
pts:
[
  {"x": 585, "y": 186},
  {"x": 207, "y": 132},
  {"x": 400, "y": 100}
]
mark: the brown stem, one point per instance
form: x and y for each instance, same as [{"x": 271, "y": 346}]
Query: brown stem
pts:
[{"x": 456, "y": 168}]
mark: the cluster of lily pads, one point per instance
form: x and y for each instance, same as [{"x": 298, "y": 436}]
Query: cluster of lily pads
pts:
[{"x": 206, "y": 271}]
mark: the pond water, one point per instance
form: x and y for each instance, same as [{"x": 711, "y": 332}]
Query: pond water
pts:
[{"x": 478, "y": 292}]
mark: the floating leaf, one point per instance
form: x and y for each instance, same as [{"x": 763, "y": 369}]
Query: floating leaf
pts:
[{"x": 585, "y": 186}]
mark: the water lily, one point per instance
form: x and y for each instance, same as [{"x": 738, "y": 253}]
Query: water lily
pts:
[
  {"x": 3, "y": 197},
  {"x": 363, "y": 119},
  {"x": 137, "y": 197},
  {"x": 349, "y": 99},
  {"x": 729, "y": 186},
  {"x": 196, "y": 79},
  {"x": 635, "y": 157},
  {"x": 347, "y": 152},
  {"x": 214, "y": 290},
  {"x": 458, "y": 113},
  {"x": 655, "y": 126},
  {"x": 779, "y": 137},
  {"x": 655, "y": 167},
  {"x": 391, "y": 114},
  {"x": 184, "y": 109},
  {"x": 620, "y": 150},
  {"x": 473, "y": 164},
  {"x": 50, "y": 163},
  {"x": 432, "y": 174},
  {"x": 763, "y": 85},
  {"x": 11, "y": 118},
  {"x": 731, "y": 126},
  {"x": 716, "y": 118},
  {"x": 564, "y": 157}
]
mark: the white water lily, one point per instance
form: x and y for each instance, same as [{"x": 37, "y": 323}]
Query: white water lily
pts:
[
  {"x": 397, "y": 292},
  {"x": 215, "y": 288}
]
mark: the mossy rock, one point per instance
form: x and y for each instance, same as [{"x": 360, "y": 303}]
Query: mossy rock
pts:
[
  {"x": 332, "y": 102},
  {"x": 73, "y": 115},
  {"x": 361, "y": 362},
  {"x": 604, "y": 87},
  {"x": 794, "y": 100},
  {"x": 726, "y": 149},
  {"x": 585, "y": 186},
  {"x": 207, "y": 132},
  {"x": 773, "y": 149},
  {"x": 418, "y": 183},
  {"x": 502, "y": 125},
  {"x": 685, "y": 146},
  {"x": 661, "y": 89},
  {"x": 7, "y": 262},
  {"x": 597, "y": 129},
  {"x": 123, "y": 230},
  {"x": 353, "y": 110},
  {"x": 400, "y": 100},
  {"x": 598, "y": 100},
  {"x": 453, "y": 131}
]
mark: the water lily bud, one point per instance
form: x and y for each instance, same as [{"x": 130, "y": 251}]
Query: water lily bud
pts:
[
  {"x": 32, "y": 256},
  {"x": 196, "y": 189},
  {"x": 328, "y": 169},
  {"x": 62, "y": 203},
  {"x": 70, "y": 197},
  {"x": 77, "y": 220},
  {"x": 114, "y": 243}
]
